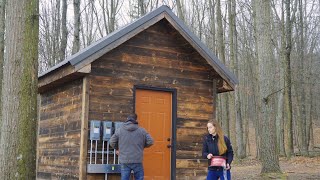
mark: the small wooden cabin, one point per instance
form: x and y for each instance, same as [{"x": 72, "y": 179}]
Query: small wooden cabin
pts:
[{"x": 155, "y": 67}]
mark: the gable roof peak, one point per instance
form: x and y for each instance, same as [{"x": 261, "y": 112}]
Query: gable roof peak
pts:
[{"x": 118, "y": 37}]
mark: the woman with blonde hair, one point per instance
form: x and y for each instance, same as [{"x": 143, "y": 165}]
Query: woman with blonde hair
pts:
[{"x": 218, "y": 150}]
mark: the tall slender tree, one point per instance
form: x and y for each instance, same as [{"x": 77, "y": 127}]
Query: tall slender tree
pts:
[
  {"x": 19, "y": 91},
  {"x": 180, "y": 9},
  {"x": 269, "y": 156},
  {"x": 2, "y": 32},
  {"x": 141, "y": 8},
  {"x": 288, "y": 84},
  {"x": 241, "y": 148},
  {"x": 212, "y": 26},
  {"x": 76, "y": 32},
  {"x": 221, "y": 55},
  {"x": 301, "y": 121},
  {"x": 110, "y": 12},
  {"x": 64, "y": 33},
  {"x": 281, "y": 84}
]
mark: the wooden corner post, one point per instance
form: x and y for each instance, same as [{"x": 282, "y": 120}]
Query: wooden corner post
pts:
[{"x": 84, "y": 129}]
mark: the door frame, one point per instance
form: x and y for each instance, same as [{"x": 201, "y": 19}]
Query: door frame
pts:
[{"x": 173, "y": 120}]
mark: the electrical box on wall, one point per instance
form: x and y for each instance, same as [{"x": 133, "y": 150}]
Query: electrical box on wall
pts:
[
  {"x": 109, "y": 161},
  {"x": 107, "y": 130},
  {"x": 95, "y": 130}
]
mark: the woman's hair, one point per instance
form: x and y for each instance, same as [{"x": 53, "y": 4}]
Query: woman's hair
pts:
[{"x": 221, "y": 143}]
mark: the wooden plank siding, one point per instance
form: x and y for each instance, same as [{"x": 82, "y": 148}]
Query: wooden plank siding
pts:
[
  {"x": 159, "y": 57},
  {"x": 59, "y": 132}
]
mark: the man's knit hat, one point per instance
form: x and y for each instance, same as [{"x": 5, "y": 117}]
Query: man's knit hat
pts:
[{"x": 133, "y": 118}]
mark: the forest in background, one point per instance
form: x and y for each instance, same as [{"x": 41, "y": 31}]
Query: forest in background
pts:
[
  {"x": 229, "y": 29},
  {"x": 271, "y": 46}
]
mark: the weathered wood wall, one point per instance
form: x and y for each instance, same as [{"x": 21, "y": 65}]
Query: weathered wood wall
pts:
[
  {"x": 158, "y": 57},
  {"x": 59, "y": 132}
]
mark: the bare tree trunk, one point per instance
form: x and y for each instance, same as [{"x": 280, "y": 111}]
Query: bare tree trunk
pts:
[
  {"x": 288, "y": 85},
  {"x": 221, "y": 55},
  {"x": 249, "y": 75},
  {"x": 111, "y": 19},
  {"x": 76, "y": 32},
  {"x": 280, "y": 110},
  {"x": 220, "y": 38},
  {"x": 308, "y": 106},
  {"x": 53, "y": 33},
  {"x": 64, "y": 34},
  {"x": 87, "y": 26},
  {"x": 314, "y": 94},
  {"x": 248, "y": 112},
  {"x": 311, "y": 145},
  {"x": 302, "y": 96},
  {"x": 281, "y": 85},
  {"x": 109, "y": 14},
  {"x": 56, "y": 34},
  {"x": 19, "y": 110},
  {"x": 199, "y": 14},
  {"x": 308, "y": 86},
  {"x": 180, "y": 9},
  {"x": 212, "y": 26},
  {"x": 141, "y": 6},
  {"x": 280, "y": 124},
  {"x": 309, "y": 125},
  {"x": 269, "y": 157},
  {"x": 2, "y": 32},
  {"x": 256, "y": 87},
  {"x": 241, "y": 150},
  {"x": 230, "y": 118}
]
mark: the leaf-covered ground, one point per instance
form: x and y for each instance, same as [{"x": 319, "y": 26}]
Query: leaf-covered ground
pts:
[{"x": 295, "y": 168}]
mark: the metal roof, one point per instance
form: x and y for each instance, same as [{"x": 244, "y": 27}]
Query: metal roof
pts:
[{"x": 117, "y": 37}]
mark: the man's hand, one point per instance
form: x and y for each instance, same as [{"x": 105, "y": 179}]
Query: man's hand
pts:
[
  {"x": 117, "y": 152},
  {"x": 209, "y": 156}
]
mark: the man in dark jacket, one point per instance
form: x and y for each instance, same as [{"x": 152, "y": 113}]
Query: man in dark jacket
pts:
[{"x": 130, "y": 140}]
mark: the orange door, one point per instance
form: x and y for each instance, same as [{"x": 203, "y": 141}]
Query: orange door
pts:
[{"x": 154, "y": 110}]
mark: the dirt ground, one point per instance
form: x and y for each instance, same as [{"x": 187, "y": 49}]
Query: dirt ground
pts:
[{"x": 296, "y": 168}]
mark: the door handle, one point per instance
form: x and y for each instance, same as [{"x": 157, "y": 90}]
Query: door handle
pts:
[{"x": 169, "y": 146}]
